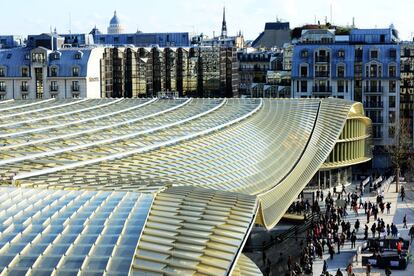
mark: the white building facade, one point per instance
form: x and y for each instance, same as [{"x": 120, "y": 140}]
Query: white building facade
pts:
[{"x": 39, "y": 73}]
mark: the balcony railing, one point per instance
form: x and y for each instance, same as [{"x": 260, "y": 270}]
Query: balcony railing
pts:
[
  {"x": 322, "y": 88},
  {"x": 374, "y": 104},
  {"x": 54, "y": 88},
  {"x": 75, "y": 88},
  {"x": 322, "y": 59},
  {"x": 24, "y": 88},
  {"x": 374, "y": 89},
  {"x": 322, "y": 74},
  {"x": 2, "y": 88}
]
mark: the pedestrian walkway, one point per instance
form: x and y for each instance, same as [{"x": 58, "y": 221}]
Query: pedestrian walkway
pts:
[{"x": 348, "y": 255}]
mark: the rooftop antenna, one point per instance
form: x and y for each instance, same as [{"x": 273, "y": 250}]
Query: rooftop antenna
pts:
[
  {"x": 353, "y": 22},
  {"x": 51, "y": 38},
  {"x": 326, "y": 20},
  {"x": 315, "y": 18},
  {"x": 70, "y": 23},
  {"x": 331, "y": 14}
]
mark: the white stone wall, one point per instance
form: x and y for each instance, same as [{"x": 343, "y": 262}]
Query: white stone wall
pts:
[{"x": 93, "y": 79}]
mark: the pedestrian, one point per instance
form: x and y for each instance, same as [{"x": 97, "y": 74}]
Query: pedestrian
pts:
[
  {"x": 399, "y": 247},
  {"x": 402, "y": 193},
  {"x": 325, "y": 266},
  {"x": 373, "y": 229},
  {"x": 368, "y": 270},
  {"x": 356, "y": 225},
  {"x": 387, "y": 271},
  {"x": 349, "y": 269},
  {"x": 411, "y": 233},
  {"x": 353, "y": 240},
  {"x": 366, "y": 232},
  {"x": 339, "y": 273},
  {"x": 388, "y": 207},
  {"x": 331, "y": 251},
  {"x": 405, "y": 221}
]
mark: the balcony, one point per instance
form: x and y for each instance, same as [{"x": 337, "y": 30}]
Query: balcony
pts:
[
  {"x": 54, "y": 88},
  {"x": 24, "y": 88},
  {"x": 323, "y": 89},
  {"x": 3, "y": 88},
  {"x": 322, "y": 74},
  {"x": 374, "y": 104},
  {"x": 374, "y": 89},
  {"x": 75, "y": 88},
  {"x": 322, "y": 59}
]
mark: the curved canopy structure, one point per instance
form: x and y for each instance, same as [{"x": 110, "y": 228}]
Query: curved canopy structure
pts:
[{"x": 237, "y": 161}]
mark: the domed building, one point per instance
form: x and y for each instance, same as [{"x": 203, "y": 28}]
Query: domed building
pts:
[{"x": 115, "y": 26}]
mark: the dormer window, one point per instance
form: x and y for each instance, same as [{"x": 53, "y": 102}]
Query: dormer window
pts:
[
  {"x": 341, "y": 71},
  {"x": 2, "y": 72},
  {"x": 9, "y": 56},
  {"x": 53, "y": 71},
  {"x": 78, "y": 55},
  {"x": 25, "y": 72},
  {"x": 304, "y": 53},
  {"x": 55, "y": 56},
  {"x": 75, "y": 71},
  {"x": 27, "y": 56}
]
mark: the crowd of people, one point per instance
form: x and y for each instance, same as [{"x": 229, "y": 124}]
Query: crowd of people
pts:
[{"x": 332, "y": 228}]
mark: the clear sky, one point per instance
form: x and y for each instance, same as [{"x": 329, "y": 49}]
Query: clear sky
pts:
[{"x": 35, "y": 16}]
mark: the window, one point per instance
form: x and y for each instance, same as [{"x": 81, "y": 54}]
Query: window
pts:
[
  {"x": 392, "y": 101},
  {"x": 341, "y": 71},
  {"x": 391, "y": 132},
  {"x": 53, "y": 71},
  {"x": 53, "y": 96},
  {"x": 392, "y": 71},
  {"x": 373, "y": 54},
  {"x": 54, "y": 86},
  {"x": 75, "y": 96},
  {"x": 75, "y": 86},
  {"x": 2, "y": 96},
  {"x": 25, "y": 72},
  {"x": 303, "y": 71},
  {"x": 391, "y": 117},
  {"x": 341, "y": 86},
  {"x": 392, "y": 86},
  {"x": 9, "y": 56},
  {"x": 75, "y": 71},
  {"x": 341, "y": 53},
  {"x": 24, "y": 96},
  {"x": 2, "y": 86},
  {"x": 55, "y": 56},
  {"x": 38, "y": 57},
  {"x": 393, "y": 53},
  {"x": 27, "y": 56},
  {"x": 2, "y": 72},
  {"x": 304, "y": 53},
  {"x": 303, "y": 86},
  {"x": 24, "y": 86},
  {"x": 78, "y": 56}
]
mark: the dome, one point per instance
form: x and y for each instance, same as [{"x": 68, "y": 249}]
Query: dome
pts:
[{"x": 115, "y": 20}]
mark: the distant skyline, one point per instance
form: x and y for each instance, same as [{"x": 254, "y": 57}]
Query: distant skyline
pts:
[{"x": 200, "y": 16}]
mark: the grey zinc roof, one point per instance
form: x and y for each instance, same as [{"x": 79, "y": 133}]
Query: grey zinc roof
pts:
[
  {"x": 67, "y": 61},
  {"x": 14, "y": 59}
]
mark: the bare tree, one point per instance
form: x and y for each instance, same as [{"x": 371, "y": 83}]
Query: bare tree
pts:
[{"x": 400, "y": 151}]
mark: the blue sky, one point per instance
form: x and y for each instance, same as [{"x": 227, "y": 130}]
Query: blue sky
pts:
[{"x": 249, "y": 16}]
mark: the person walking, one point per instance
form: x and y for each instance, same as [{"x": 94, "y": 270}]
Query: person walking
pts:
[
  {"x": 411, "y": 233},
  {"x": 388, "y": 206},
  {"x": 405, "y": 221},
  {"x": 353, "y": 240},
  {"x": 368, "y": 269},
  {"x": 388, "y": 271},
  {"x": 339, "y": 273},
  {"x": 402, "y": 193},
  {"x": 356, "y": 225},
  {"x": 325, "y": 266}
]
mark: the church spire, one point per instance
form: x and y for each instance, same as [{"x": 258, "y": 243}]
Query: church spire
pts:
[{"x": 224, "y": 25}]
